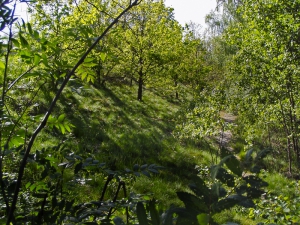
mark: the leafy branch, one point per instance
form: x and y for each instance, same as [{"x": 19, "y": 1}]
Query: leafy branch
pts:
[{"x": 51, "y": 107}]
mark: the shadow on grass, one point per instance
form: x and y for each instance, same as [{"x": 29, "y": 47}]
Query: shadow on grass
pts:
[{"x": 111, "y": 125}]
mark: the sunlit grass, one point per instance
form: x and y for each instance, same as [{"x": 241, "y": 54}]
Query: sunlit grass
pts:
[
  {"x": 235, "y": 215},
  {"x": 112, "y": 126}
]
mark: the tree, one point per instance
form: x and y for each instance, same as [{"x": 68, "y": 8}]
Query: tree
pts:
[
  {"x": 265, "y": 71},
  {"x": 150, "y": 33}
]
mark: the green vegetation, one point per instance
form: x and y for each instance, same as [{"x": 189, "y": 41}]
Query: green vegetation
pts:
[{"x": 111, "y": 112}]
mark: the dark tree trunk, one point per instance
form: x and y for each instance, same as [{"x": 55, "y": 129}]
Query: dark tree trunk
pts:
[
  {"x": 140, "y": 90},
  {"x": 176, "y": 91},
  {"x": 141, "y": 79}
]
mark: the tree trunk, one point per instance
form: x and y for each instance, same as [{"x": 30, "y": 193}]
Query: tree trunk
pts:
[
  {"x": 289, "y": 156},
  {"x": 141, "y": 79},
  {"x": 140, "y": 90},
  {"x": 176, "y": 91},
  {"x": 288, "y": 133}
]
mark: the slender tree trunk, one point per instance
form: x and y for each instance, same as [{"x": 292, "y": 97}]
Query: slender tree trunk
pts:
[
  {"x": 289, "y": 156},
  {"x": 176, "y": 91},
  {"x": 288, "y": 133},
  {"x": 293, "y": 119},
  {"x": 140, "y": 89},
  {"x": 141, "y": 79},
  {"x": 98, "y": 72}
]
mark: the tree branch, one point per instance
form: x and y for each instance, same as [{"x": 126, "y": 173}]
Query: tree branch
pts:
[{"x": 51, "y": 107}]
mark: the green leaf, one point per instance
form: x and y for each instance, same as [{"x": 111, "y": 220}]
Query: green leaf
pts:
[
  {"x": 242, "y": 201},
  {"x": 118, "y": 221},
  {"x": 67, "y": 127},
  {"x": 45, "y": 60},
  {"x": 225, "y": 152},
  {"x": 83, "y": 75},
  {"x": 248, "y": 156},
  {"x": 36, "y": 60},
  {"x": 29, "y": 28},
  {"x": 36, "y": 34},
  {"x": 215, "y": 192},
  {"x": 103, "y": 56},
  {"x": 154, "y": 213},
  {"x": 23, "y": 41},
  {"x": 261, "y": 155},
  {"x": 233, "y": 164},
  {"x": 62, "y": 128},
  {"x": 255, "y": 181},
  {"x": 214, "y": 171},
  {"x": 167, "y": 217},
  {"x": 200, "y": 189},
  {"x": 254, "y": 192},
  {"x": 15, "y": 42},
  {"x": 136, "y": 167},
  {"x": 224, "y": 204},
  {"x": 225, "y": 177},
  {"x": 32, "y": 187},
  {"x": 2, "y": 65},
  {"x": 17, "y": 140},
  {"x": 87, "y": 60},
  {"x": 192, "y": 202},
  {"x": 77, "y": 168},
  {"x": 141, "y": 214},
  {"x": 90, "y": 64},
  {"x": 61, "y": 117},
  {"x": 34, "y": 74},
  {"x": 146, "y": 173},
  {"x": 203, "y": 219},
  {"x": 25, "y": 54},
  {"x": 28, "y": 184},
  {"x": 137, "y": 174},
  {"x": 143, "y": 167}
]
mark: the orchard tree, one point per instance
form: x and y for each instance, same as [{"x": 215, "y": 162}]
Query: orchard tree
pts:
[{"x": 150, "y": 33}]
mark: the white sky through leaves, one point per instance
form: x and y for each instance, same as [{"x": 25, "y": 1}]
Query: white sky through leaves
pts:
[{"x": 191, "y": 10}]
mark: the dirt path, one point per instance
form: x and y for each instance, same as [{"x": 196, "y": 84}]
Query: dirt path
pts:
[{"x": 226, "y": 135}]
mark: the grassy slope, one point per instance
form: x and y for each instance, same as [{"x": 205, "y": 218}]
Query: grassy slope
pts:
[{"x": 112, "y": 126}]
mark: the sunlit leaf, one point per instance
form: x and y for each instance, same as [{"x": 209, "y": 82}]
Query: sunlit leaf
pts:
[
  {"x": 61, "y": 117},
  {"x": 36, "y": 59},
  {"x": 2, "y": 65},
  {"x": 103, "y": 56},
  {"x": 203, "y": 219}
]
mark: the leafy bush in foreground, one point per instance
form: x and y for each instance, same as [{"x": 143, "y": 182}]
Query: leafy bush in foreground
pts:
[{"x": 229, "y": 183}]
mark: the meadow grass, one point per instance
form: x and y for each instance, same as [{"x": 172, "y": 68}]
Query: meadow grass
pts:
[{"x": 112, "y": 126}]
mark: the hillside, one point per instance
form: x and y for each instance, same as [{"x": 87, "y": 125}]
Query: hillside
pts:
[{"x": 110, "y": 125}]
